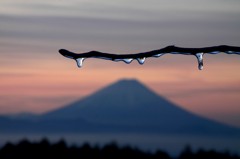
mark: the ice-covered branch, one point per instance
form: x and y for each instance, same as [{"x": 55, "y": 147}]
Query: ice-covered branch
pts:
[{"x": 141, "y": 57}]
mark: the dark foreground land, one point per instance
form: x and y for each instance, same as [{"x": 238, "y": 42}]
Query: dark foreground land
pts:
[{"x": 45, "y": 149}]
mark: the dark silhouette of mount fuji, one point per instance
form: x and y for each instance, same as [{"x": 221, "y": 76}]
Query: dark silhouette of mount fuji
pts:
[
  {"x": 124, "y": 106},
  {"x": 128, "y": 105}
]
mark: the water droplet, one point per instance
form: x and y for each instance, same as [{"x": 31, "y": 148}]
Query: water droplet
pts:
[
  {"x": 230, "y": 52},
  {"x": 116, "y": 60},
  {"x": 69, "y": 56},
  {"x": 158, "y": 55},
  {"x": 105, "y": 58},
  {"x": 200, "y": 60},
  {"x": 127, "y": 61},
  {"x": 214, "y": 52},
  {"x": 80, "y": 62},
  {"x": 141, "y": 60}
]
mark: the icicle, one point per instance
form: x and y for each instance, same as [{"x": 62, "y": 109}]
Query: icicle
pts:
[
  {"x": 80, "y": 62},
  {"x": 230, "y": 52},
  {"x": 127, "y": 61},
  {"x": 157, "y": 55},
  {"x": 116, "y": 60},
  {"x": 214, "y": 52},
  {"x": 200, "y": 60},
  {"x": 141, "y": 60}
]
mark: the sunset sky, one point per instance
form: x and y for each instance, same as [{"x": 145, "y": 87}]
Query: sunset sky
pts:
[{"x": 35, "y": 78}]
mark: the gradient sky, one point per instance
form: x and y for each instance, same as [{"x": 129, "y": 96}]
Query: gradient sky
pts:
[{"x": 35, "y": 78}]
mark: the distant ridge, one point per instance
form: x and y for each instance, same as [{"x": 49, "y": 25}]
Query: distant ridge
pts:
[
  {"x": 128, "y": 105},
  {"x": 123, "y": 106}
]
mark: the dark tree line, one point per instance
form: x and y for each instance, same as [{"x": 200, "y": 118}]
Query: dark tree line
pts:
[{"x": 45, "y": 150}]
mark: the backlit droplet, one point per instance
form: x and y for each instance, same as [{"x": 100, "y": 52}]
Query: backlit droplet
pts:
[
  {"x": 157, "y": 55},
  {"x": 230, "y": 52},
  {"x": 214, "y": 52},
  {"x": 116, "y": 60},
  {"x": 127, "y": 61},
  {"x": 200, "y": 60},
  {"x": 141, "y": 60},
  {"x": 68, "y": 56},
  {"x": 80, "y": 62}
]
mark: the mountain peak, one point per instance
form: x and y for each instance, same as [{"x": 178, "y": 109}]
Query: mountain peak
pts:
[
  {"x": 127, "y": 88},
  {"x": 128, "y": 80},
  {"x": 126, "y": 98},
  {"x": 127, "y": 83},
  {"x": 128, "y": 103}
]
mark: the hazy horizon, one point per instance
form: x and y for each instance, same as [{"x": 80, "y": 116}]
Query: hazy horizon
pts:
[{"x": 35, "y": 78}]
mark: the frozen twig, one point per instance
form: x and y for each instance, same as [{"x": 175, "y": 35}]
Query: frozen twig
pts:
[{"x": 140, "y": 57}]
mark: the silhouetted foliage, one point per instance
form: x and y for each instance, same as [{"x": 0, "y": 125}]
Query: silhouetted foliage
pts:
[
  {"x": 60, "y": 150},
  {"x": 187, "y": 153},
  {"x": 161, "y": 155}
]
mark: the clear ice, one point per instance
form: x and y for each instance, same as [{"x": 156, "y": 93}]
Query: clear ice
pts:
[
  {"x": 200, "y": 60},
  {"x": 158, "y": 55},
  {"x": 127, "y": 61},
  {"x": 141, "y": 60},
  {"x": 79, "y": 62},
  {"x": 232, "y": 52}
]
